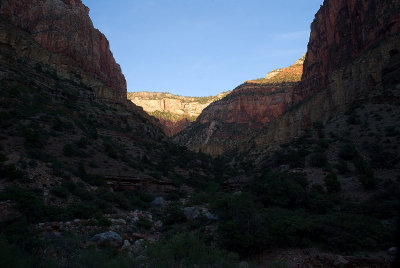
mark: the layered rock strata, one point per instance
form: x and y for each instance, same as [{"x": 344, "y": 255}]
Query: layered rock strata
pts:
[
  {"x": 174, "y": 112},
  {"x": 353, "y": 48},
  {"x": 64, "y": 27}
]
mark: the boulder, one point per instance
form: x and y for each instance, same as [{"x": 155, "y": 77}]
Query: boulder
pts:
[
  {"x": 110, "y": 238},
  {"x": 158, "y": 202},
  {"x": 191, "y": 213}
]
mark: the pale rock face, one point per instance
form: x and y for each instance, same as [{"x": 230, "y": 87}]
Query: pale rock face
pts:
[{"x": 184, "y": 109}]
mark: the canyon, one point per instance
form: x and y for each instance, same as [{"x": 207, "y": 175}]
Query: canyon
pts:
[{"x": 300, "y": 168}]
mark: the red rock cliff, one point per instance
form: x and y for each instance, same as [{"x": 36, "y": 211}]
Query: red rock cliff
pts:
[
  {"x": 64, "y": 27},
  {"x": 350, "y": 45},
  {"x": 340, "y": 32}
]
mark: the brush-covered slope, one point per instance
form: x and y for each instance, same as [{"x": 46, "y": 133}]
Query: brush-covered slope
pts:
[{"x": 174, "y": 112}]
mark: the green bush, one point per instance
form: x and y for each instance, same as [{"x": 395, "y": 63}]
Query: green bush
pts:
[
  {"x": 281, "y": 189},
  {"x": 366, "y": 177},
  {"x": 348, "y": 152},
  {"x": 173, "y": 214},
  {"x": 332, "y": 183},
  {"x": 143, "y": 224},
  {"x": 11, "y": 256},
  {"x": 318, "y": 160},
  {"x": 60, "y": 191},
  {"x": 11, "y": 172},
  {"x": 188, "y": 250}
]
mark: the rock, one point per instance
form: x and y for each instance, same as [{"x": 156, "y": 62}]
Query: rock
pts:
[
  {"x": 340, "y": 261},
  {"x": 211, "y": 216},
  {"x": 237, "y": 193},
  {"x": 139, "y": 242},
  {"x": 110, "y": 238},
  {"x": 392, "y": 251},
  {"x": 158, "y": 202},
  {"x": 126, "y": 245},
  {"x": 243, "y": 264},
  {"x": 232, "y": 119},
  {"x": 340, "y": 32},
  {"x": 184, "y": 108},
  {"x": 64, "y": 27},
  {"x": 118, "y": 221},
  {"x": 158, "y": 225},
  {"x": 336, "y": 66},
  {"x": 284, "y": 168},
  {"x": 191, "y": 213}
]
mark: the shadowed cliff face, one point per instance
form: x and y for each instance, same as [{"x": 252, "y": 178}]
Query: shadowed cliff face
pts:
[
  {"x": 340, "y": 32},
  {"x": 64, "y": 27},
  {"x": 348, "y": 55}
]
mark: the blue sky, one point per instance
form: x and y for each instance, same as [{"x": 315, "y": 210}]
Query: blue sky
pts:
[{"x": 202, "y": 47}]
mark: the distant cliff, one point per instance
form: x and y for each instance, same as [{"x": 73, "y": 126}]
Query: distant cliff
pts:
[{"x": 174, "y": 112}]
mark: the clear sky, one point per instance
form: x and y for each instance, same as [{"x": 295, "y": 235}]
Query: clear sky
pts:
[{"x": 202, "y": 47}]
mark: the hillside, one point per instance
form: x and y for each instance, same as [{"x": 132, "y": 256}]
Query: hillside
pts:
[{"x": 174, "y": 112}]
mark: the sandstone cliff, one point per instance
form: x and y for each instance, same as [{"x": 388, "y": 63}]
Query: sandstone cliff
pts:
[
  {"x": 174, "y": 112},
  {"x": 65, "y": 28},
  {"x": 352, "y": 50},
  {"x": 242, "y": 113}
]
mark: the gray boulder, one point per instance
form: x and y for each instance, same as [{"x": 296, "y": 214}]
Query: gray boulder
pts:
[
  {"x": 110, "y": 239},
  {"x": 158, "y": 202},
  {"x": 211, "y": 216},
  {"x": 191, "y": 213}
]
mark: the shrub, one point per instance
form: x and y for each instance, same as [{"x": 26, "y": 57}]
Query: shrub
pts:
[
  {"x": 342, "y": 167},
  {"x": 188, "y": 250},
  {"x": 60, "y": 191},
  {"x": 143, "y": 224},
  {"x": 173, "y": 214},
  {"x": 11, "y": 172},
  {"x": 332, "y": 183},
  {"x": 348, "y": 152},
  {"x": 318, "y": 160},
  {"x": 367, "y": 177}
]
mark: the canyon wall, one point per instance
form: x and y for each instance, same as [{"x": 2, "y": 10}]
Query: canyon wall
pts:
[
  {"x": 226, "y": 123},
  {"x": 351, "y": 45},
  {"x": 174, "y": 112},
  {"x": 64, "y": 27},
  {"x": 341, "y": 31}
]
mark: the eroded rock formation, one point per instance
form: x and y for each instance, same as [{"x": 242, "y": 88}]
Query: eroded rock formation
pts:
[
  {"x": 174, "y": 112},
  {"x": 65, "y": 28}
]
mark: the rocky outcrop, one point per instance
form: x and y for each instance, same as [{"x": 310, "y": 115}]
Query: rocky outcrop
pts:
[
  {"x": 174, "y": 112},
  {"x": 285, "y": 75},
  {"x": 64, "y": 27},
  {"x": 353, "y": 49}
]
